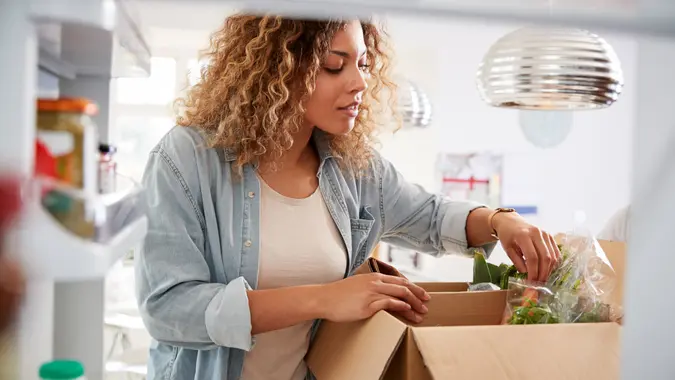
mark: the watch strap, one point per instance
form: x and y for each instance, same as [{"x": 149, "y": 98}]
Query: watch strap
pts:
[{"x": 491, "y": 219}]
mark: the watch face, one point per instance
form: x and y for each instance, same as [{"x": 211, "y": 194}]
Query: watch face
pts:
[{"x": 506, "y": 210}]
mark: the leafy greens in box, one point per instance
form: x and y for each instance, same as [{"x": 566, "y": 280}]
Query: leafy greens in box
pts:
[{"x": 574, "y": 293}]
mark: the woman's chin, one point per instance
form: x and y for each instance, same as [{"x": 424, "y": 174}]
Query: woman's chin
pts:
[{"x": 339, "y": 129}]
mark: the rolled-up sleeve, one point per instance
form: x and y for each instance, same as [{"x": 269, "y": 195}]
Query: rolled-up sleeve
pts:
[
  {"x": 416, "y": 219},
  {"x": 228, "y": 320},
  {"x": 179, "y": 303},
  {"x": 453, "y": 226}
]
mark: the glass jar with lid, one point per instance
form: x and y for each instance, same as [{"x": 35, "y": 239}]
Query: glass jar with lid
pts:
[
  {"x": 68, "y": 136},
  {"x": 65, "y": 127}
]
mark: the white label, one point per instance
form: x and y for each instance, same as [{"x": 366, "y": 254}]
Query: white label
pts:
[{"x": 59, "y": 143}]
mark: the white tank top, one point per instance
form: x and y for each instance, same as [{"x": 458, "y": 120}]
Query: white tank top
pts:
[{"x": 299, "y": 245}]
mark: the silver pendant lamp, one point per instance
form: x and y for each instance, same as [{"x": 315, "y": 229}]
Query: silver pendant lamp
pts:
[
  {"x": 415, "y": 107},
  {"x": 541, "y": 68}
]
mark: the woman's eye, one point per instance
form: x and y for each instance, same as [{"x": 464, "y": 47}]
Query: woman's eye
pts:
[
  {"x": 364, "y": 67},
  {"x": 333, "y": 71}
]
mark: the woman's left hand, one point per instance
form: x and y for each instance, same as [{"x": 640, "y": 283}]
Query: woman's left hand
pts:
[{"x": 530, "y": 249}]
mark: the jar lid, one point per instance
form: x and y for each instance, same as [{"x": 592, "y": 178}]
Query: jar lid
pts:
[
  {"x": 80, "y": 105},
  {"x": 62, "y": 370},
  {"x": 106, "y": 148}
]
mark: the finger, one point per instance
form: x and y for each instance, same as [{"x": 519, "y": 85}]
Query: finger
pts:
[
  {"x": 411, "y": 315},
  {"x": 531, "y": 258},
  {"x": 545, "y": 256},
  {"x": 415, "y": 289},
  {"x": 390, "y": 304},
  {"x": 516, "y": 258},
  {"x": 396, "y": 306},
  {"x": 554, "y": 243},
  {"x": 553, "y": 249},
  {"x": 403, "y": 293}
]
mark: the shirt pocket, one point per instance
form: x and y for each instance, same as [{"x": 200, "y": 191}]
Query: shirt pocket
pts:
[{"x": 361, "y": 228}]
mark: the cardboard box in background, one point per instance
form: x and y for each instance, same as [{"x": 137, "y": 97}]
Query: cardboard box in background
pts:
[
  {"x": 461, "y": 338},
  {"x": 616, "y": 253}
]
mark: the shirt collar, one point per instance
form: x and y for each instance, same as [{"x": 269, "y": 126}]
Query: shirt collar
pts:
[{"x": 319, "y": 137}]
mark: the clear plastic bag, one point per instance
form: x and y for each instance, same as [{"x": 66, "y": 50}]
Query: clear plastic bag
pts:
[
  {"x": 578, "y": 290},
  {"x": 483, "y": 287}
]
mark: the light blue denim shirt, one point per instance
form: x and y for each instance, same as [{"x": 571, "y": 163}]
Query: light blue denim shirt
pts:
[{"x": 201, "y": 253}]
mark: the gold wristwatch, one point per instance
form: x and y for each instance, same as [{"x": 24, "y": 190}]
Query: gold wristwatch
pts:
[{"x": 491, "y": 217}]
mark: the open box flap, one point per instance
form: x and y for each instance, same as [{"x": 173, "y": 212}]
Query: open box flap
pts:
[
  {"x": 465, "y": 308},
  {"x": 616, "y": 254},
  {"x": 531, "y": 352},
  {"x": 443, "y": 287},
  {"x": 358, "y": 350}
]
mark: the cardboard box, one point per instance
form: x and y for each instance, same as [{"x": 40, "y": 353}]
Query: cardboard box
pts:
[
  {"x": 616, "y": 253},
  {"x": 461, "y": 338}
]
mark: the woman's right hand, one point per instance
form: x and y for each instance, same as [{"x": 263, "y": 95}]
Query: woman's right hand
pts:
[{"x": 361, "y": 296}]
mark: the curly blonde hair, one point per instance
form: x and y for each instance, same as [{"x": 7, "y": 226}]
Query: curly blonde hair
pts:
[{"x": 261, "y": 70}]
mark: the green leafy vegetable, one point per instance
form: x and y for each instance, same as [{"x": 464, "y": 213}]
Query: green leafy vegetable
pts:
[
  {"x": 532, "y": 313},
  {"x": 558, "y": 300},
  {"x": 481, "y": 272}
]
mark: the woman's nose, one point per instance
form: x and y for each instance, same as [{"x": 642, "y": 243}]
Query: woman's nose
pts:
[{"x": 358, "y": 81}]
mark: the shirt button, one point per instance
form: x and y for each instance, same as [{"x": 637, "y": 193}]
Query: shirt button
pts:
[
  {"x": 251, "y": 194},
  {"x": 247, "y": 243}
]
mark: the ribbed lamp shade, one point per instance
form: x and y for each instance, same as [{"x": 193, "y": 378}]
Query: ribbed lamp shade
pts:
[
  {"x": 550, "y": 69},
  {"x": 414, "y": 105}
]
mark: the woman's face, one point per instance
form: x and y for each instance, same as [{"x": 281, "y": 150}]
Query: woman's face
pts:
[{"x": 340, "y": 84}]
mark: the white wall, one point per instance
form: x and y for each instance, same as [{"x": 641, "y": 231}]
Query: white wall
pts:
[{"x": 589, "y": 171}]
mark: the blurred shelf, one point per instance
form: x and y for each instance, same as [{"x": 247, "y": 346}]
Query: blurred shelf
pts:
[
  {"x": 102, "y": 14},
  {"x": 55, "y": 66},
  {"x": 100, "y": 38},
  {"x": 66, "y": 236}
]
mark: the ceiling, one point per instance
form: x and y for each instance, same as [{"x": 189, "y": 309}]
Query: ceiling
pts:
[
  {"x": 194, "y": 15},
  {"x": 180, "y": 24},
  {"x": 183, "y": 24}
]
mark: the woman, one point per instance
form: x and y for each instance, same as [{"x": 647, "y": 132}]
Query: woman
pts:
[{"x": 268, "y": 195}]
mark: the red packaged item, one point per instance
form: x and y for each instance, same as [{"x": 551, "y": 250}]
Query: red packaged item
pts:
[{"x": 45, "y": 163}]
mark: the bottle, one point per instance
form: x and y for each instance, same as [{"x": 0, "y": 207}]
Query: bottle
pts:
[
  {"x": 107, "y": 168},
  {"x": 62, "y": 370}
]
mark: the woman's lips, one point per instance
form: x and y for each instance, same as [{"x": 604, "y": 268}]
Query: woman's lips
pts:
[{"x": 351, "y": 110}]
